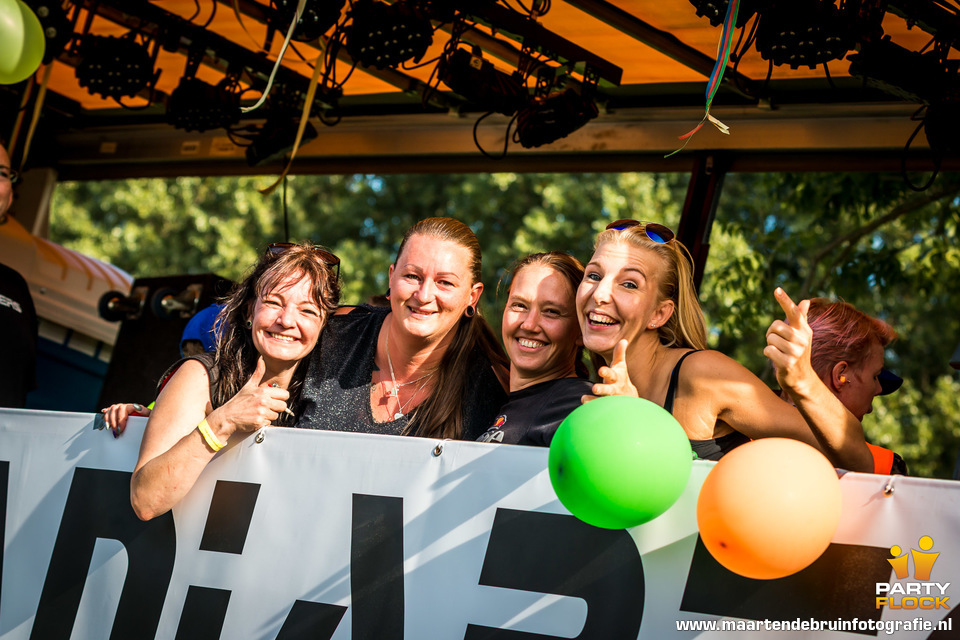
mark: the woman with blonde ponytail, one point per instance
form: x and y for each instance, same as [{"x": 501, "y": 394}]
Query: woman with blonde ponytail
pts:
[{"x": 639, "y": 312}]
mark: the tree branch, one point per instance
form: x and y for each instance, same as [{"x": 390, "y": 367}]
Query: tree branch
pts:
[{"x": 907, "y": 206}]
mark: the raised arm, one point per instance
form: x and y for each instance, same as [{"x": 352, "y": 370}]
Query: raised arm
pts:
[
  {"x": 173, "y": 451},
  {"x": 715, "y": 387},
  {"x": 788, "y": 348}
]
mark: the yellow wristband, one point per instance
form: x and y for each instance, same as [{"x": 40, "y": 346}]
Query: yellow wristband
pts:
[{"x": 208, "y": 436}]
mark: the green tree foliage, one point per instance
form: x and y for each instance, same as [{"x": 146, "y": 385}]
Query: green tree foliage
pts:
[{"x": 865, "y": 238}]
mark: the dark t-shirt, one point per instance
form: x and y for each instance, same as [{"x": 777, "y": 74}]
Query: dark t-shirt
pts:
[
  {"x": 18, "y": 348},
  {"x": 336, "y": 393},
  {"x": 532, "y": 414}
]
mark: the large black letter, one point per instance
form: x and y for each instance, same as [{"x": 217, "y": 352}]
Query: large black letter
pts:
[
  {"x": 313, "y": 620},
  {"x": 4, "y": 484},
  {"x": 839, "y": 584},
  {"x": 550, "y": 553},
  {"x": 204, "y": 611},
  {"x": 98, "y": 506},
  {"x": 376, "y": 568}
]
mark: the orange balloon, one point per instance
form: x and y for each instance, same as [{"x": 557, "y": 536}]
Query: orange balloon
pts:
[{"x": 769, "y": 508}]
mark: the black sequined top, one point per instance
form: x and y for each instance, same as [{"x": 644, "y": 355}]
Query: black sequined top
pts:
[{"x": 336, "y": 393}]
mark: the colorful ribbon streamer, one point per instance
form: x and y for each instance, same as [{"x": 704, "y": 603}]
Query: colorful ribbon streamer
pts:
[{"x": 723, "y": 57}]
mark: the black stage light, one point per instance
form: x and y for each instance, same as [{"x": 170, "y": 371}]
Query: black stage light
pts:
[
  {"x": 114, "y": 67},
  {"x": 384, "y": 35},
  {"x": 317, "y": 17},
  {"x": 716, "y": 10},
  {"x": 940, "y": 126},
  {"x": 912, "y": 76},
  {"x": 548, "y": 118},
  {"x": 196, "y": 105},
  {"x": 57, "y": 27},
  {"x": 276, "y": 139},
  {"x": 476, "y": 79},
  {"x": 812, "y": 32},
  {"x": 446, "y": 10}
]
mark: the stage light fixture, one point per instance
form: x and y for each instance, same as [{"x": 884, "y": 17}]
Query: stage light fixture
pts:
[
  {"x": 57, "y": 28},
  {"x": 446, "y": 10},
  {"x": 385, "y": 35},
  {"x": 477, "y": 80},
  {"x": 912, "y": 76},
  {"x": 716, "y": 10},
  {"x": 813, "y": 32},
  {"x": 548, "y": 118},
  {"x": 317, "y": 17},
  {"x": 276, "y": 139},
  {"x": 114, "y": 67},
  {"x": 940, "y": 126},
  {"x": 196, "y": 105}
]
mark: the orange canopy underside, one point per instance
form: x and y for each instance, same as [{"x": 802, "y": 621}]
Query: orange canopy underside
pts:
[{"x": 641, "y": 64}]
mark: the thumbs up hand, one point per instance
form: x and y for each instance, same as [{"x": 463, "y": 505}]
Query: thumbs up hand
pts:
[
  {"x": 256, "y": 405},
  {"x": 616, "y": 377}
]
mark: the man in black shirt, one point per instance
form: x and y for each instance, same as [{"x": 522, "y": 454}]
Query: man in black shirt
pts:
[{"x": 18, "y": 318}]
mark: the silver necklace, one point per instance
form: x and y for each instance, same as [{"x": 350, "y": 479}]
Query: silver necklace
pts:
[{"x": 395, "y": 392}]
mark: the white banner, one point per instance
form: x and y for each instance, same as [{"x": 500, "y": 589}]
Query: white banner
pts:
[{"x": 341, "y": 536}]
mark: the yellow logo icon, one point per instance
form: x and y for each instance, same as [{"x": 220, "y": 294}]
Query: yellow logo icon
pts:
[
  {"x": 920, "y": 593},
  {"x": 922, "y": 561}
]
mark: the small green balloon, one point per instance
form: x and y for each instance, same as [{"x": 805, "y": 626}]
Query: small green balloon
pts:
[
  {"x": 22, "y": 42},
  {"x": 618, "y": 462}
]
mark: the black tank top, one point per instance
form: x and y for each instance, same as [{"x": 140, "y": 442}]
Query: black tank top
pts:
[{"x": 714, "y": 448}]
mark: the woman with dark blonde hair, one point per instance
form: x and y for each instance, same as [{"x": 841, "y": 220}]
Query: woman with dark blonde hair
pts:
[
  {"x": 639, "y": 311},
  {"x": 268, "y": 326},
  {"x": 542, "y": 338},
  {"x": 428, "y": 365}
]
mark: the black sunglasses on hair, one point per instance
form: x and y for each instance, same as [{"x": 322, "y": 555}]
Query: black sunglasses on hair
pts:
[
  {"x": 328, "y": 258},
  {"x": 655, "y": 231}
]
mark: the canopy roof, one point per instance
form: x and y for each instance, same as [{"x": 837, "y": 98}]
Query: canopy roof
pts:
[{"x": 652, "y": 60}]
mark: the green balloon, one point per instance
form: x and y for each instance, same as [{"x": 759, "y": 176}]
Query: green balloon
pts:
[
  {"x": 618, "y": 462},
  {"x": 21, "y": 42}
]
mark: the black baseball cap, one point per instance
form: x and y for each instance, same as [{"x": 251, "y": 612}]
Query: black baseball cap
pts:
[{"x": 889, "y": 382}]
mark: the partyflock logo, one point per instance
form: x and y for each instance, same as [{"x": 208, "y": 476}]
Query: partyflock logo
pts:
[{"x": 919, "y": 593}]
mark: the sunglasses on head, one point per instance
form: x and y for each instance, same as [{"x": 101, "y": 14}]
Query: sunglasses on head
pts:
[
  {"x": 655, "y": 231},
  {"x": 326, "y": 256}
]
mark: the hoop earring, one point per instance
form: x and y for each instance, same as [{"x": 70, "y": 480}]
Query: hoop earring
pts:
[
  {"x": 249, "y": 324},
  {"x": 471, "y": 311}
]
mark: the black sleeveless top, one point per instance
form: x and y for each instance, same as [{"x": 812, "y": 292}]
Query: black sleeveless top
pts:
[
  {"x": 714, "y": 448},
  {"x": 207, "y": 360},
  {"x": 336, "y": 393}
]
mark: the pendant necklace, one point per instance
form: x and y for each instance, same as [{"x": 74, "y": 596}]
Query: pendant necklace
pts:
[{"x": 395, "y": 392}]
